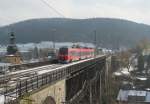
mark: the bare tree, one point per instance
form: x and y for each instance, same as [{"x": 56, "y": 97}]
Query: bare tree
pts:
[{"x": 125, "y": 59}]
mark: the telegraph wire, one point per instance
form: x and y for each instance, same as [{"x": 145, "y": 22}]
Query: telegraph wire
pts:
[{"x": 52, "y": 8}]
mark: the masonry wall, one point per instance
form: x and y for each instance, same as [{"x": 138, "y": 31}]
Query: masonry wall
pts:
[{"x": 56, "y": 91}]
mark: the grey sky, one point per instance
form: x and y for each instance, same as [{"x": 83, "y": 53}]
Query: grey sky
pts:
[{"x": 18, "y": 10}]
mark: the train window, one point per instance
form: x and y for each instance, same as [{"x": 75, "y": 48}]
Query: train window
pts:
[
  {"x": 71, "y": 53},
  {"x": 63, "y": 51}
]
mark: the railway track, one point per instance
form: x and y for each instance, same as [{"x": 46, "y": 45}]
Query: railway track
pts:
[{"x": 27, "y": 73}]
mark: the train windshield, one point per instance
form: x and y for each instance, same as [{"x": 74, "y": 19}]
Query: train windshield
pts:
[{"x": 63, "y": 51}]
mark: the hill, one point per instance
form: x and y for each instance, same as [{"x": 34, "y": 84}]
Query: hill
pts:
[{"x": 112, "y": 33}]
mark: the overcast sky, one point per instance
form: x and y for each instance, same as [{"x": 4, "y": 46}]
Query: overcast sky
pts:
[{"x": 17, "y": 10}]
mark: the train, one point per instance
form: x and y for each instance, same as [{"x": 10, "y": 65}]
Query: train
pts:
[{"x": 67, "y": 55}]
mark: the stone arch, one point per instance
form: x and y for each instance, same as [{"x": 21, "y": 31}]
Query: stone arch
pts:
[{"x": 49, "y": 100}]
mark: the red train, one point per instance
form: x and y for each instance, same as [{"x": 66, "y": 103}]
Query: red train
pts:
[{"x": 67, "y": 55}]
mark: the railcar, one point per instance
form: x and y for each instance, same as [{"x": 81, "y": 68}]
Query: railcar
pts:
[{"x": 67, "y": 55}]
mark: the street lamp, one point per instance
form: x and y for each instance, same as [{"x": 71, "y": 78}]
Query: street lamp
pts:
[{"x": 53, "y": 37}]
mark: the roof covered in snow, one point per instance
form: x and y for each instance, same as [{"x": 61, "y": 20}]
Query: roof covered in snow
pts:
[{"x": 124, "y": 94}]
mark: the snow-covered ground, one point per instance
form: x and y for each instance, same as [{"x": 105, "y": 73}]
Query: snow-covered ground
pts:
[
  {"x": 49, "y": 44},
  {"x": 2, "y": 99},
  {"x": 123, "y": 71},
  {"x": 46, "y": 44}
]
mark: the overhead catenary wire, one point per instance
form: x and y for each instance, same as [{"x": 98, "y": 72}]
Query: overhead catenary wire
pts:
[{"x": 52, "y": 8}]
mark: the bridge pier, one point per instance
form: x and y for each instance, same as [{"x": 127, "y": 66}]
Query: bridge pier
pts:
[{"x": 85, "y": 87}]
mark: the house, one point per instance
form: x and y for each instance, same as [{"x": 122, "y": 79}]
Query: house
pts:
[{"x": 133, "y": 97}]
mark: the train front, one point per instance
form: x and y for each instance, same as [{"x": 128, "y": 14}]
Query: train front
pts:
[{"x": 63, "y": 55}]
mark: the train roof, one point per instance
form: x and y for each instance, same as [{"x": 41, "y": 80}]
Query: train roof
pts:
[{"x": 77, "y": 47}]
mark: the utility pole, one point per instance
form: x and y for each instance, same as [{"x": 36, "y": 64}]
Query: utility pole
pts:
[
  {"x": 53, "y": 38},
  {"x": 5, "y": 86},
  {"x": 95, "y": 42},
  {"x": 91, "y": 100},
  {"x": 100, "y": 88}
]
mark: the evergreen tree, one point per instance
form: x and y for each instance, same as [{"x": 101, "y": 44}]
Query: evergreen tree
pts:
[{"x": 141, "y": 63}]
